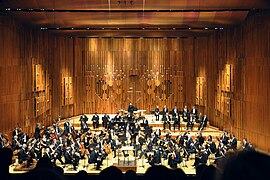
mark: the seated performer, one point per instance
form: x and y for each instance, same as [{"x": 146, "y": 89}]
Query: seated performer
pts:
[
  {"x": 232, "y": 143},
  {"x": 157, "y": 113},
  {"x": 155, "y": 158},
  {"x": 68, "y": 155},
  {"x": 203, "y": 123},
  {"x": 166, "y": 120},
  {"x": 185, "y": 114},
  {"x": 165, "y": 110},
  {"x": 174, "y": 158},
  {"x": 176, "y": 121},
  {"x": 190, "y": 122},
  {"x": 95, "y": 120},
  {"x": 201, "y": 158},
  {"x": 95, "y": 158},
  {"x": 194, "y": 112},
  {"x": 23, "y": 155}
]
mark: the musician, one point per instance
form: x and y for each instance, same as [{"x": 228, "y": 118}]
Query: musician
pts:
[
  {"x": 129, "y": 118},
  {"x": 95, "y": 120},
  {"x": 155, "y": 159},
  {"x": 166, "y": 120},
  {"x": 95, "y": 158},
  {"x": 157, "y": 113},
  {"x": 203, "y": 123},
  {"x": 76, "y": 159},
  {"x": 24, "y": 138},
  {"x": 176, "y": 122},
  {"x": 117, "y": 118},
  {"x": 57, "y": 129},
  {"x": 67, "y": 127},
  {"x": 131, "y": 108},
  {"x": 105, "y": 120},
  {"x": 211, "y": 146},
  {"x": 115, "y": 144},
  {"x": 165, "y": 110},
  {"x": 201, "y": 158},
  {"x": 191, "y": 147},
  {"x": 180, "y": 140},
  {"x": 23, "y": 155},
  {"x": 224, "y": 138},
  {"x": 47, "y": 153},
  {"x": 83, "y": 119},
  {"x": 200, "y": 138},
  {"x": 2, "y": 137},
  {"x": 37, "y": 149},
  {"x": 15, "y": 144},
  {"x": 144, "y": 123},
  {"x": 185, "y": 114},
  {"x": 247, "y": 146},
  {"x": 174, "y": 112},
  {"x": 174, "y": 158},
  {"x": 194, "y": 111},
  {"x": 199, "y": 119},
  {"x": 37, "y": 131},
  {"x": 17, "y": 132},
  {"x": 232, "y": 143},
  {"x": 190, "y": 122},
  {"x": 111, "y": 124},
  {"x": 69, "y": 157},
  {"x": 134, "y": 133}
]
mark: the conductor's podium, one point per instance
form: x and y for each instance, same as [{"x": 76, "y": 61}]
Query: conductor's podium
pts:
[{"x": 126, "y": 163}]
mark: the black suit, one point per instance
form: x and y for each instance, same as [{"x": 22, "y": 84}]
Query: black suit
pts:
[
  {"x": 166, "y": 120},
  {"x": 233, "y": 144},
  {"x": 95, "y": 120},
  {"x": 165, "y": 111},
  {"x": 94, "y": 158},
  {"x": 105, "y": 120},
  {"x": 37, "y": 132},
  {"x": 157, "y": 114}
]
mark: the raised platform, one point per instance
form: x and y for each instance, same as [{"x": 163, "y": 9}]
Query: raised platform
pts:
[{"x": 141, "y": 164}]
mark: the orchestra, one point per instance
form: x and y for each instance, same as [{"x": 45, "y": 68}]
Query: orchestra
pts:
[{"x": 69, "y": 146}]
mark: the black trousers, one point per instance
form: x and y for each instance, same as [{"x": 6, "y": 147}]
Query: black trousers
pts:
[{"x": 166, "y": 122}]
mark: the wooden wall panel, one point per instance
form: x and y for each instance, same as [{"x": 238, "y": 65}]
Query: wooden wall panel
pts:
[
  {"x": 146, "y": 72},
  {"x": 28, "y": 56},
  {"x": 236, "y": 66}
]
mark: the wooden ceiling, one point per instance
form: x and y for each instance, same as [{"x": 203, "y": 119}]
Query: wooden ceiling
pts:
[{"x": 131, "y": 17}]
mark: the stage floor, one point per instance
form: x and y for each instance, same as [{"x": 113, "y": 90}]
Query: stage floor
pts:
[{"x": 141, "y": 164}]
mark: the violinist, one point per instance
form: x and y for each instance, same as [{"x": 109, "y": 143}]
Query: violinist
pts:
[
  {"x": 23, "y": 155},
  {"x": 15, "y": 144},
  {"x": 67, "y": 127},
  {"x": 95, "y": 158},
  {"x": 3, "y": 141},
  {"x": 201, "y": 158},
  {"x": 155, "y": 159},
  {"x": 174, "y": 158},
  {"x": 210, "y": 146}
]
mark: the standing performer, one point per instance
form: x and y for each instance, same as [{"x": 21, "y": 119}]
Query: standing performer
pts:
[
  {"x": 157, "y": 113},
  {"x": 95, "y": 120},
  {"x": 166, "y": 120},
  {"x": 105, "y": 120}
]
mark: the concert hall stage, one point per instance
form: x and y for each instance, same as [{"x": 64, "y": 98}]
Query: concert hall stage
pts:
[{"x": 141, "y": 164}]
